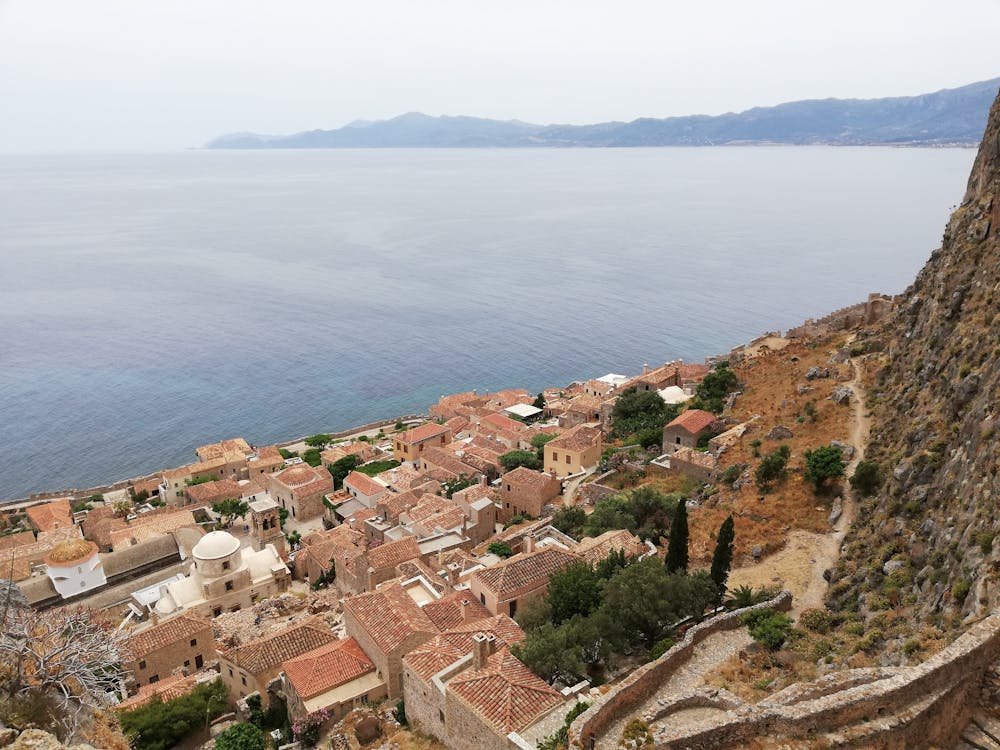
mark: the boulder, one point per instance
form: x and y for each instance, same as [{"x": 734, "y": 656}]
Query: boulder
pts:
[
  {"x": 779, "y": 432},
  {"x": 817, "y": 372},
  {"x": 36, "y": 739},
  {"x": 841, "y": 395},
  {"x": 846, "y": 449},
  {"x": 836, "y": 511}
]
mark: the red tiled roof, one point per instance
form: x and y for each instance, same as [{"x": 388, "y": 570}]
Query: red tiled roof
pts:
[
  {"x": 266, "y": 653},
  {"x": 364, "y": 484},
  {"x": 505, "y": 693},
  {"x": 448, "y": 611},
  {"x": 595, "y": 549},
  {"x": 694, "y": 421},
  {"x": 179, "y": 628},
  {"x": 577, "y": 438},
  {"x": 303, "y": 479},
  {"x": 436, "y": 654},
  {"x": 168, "y": 688},
  {"x": 50, "y": 516},
  {"x": 523, "y": 477},
  {"x": 423, "y": 432},
  {"x": 391, "y": 554},
  {"x": 21, "y": 538},
  {"x": 524, "y": 570},
  {"x": 389, "y": 616},
  {"x": 327, "y": 667},
  {"x": 502, "y": 422},
  {"x": 395, "y": 503},
  {"x": 215, "y": 490}
]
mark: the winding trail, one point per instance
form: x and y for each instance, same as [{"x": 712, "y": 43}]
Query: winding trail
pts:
[{"x": 798, "y": 566}]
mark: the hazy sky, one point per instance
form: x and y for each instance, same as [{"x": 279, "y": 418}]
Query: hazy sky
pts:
[{"x": 164, "y": 74}]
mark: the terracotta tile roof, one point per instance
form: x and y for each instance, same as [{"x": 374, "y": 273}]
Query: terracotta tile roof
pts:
[
  {"x": 389, "y": 616},
  {"x": 427, "y": 507},
  {"x": 400, "y": 478},
  {"x": 153, "y": 524},
  {"x": 257, "y": 657},
  {"x": 524, "y": 571},
  {"x": 423, "y": 432},
  {"x": 457, "y": 424},
  {"x": 445, "y": 649},
  {"x": 150, "y": 485},
  {"x": 327, "y": 667},
  {"x": 234, "y": 449},
  {"x": 577, "y": 438},
  {"x": 394, "y": 503},
  {"x": 364, "y": 484},
  {"x": 447, "y": 460},
  {"x": 505, "y": 693},
  {"x": 447, "y": 612},
  {"x": 21, "y": 538},
  {"x": 201, "y": 468},
  {"x": 182, "y": 627},
  {"x": 594, "y": 549},
  {"x": 450, "y": 518},
  {"x": 585, "y": 404},
  {"x": 694, "y": 421},
  {"x": 303, "y": 479},
  {"x": 525, "y": 478},
  {"x": 502, "y": 422},
  {"x": 168, "y": 688},
  {"x": 50, "y": 516},
  {"x": 207, "y": 492},
  {"x": 391, "y": 554},
  {"x": 470, "y": 494},
  {"x": 323, "y": 547}
]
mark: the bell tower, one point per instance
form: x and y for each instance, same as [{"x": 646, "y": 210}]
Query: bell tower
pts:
[{"x": 266, "y": 525}]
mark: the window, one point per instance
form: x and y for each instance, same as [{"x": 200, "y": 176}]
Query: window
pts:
[
  {"x": 677, "y": 440},
  {"x": 513, "y": 607},
  {"x": 154, "y": 678},
  {"x": 142, "y": 664},
  {"x": 187, "y": 662},
  {"x": 198, "y": 661},
  {"x": 194, "y": 641},
  {"x": 508, "y": 488},
  {"x": 216, "y": 611},
  {"x": 441, "y": 715},
  {"x": 230, "y": 671},
  {"x": 229, "y": 585},
  {"x": 225, "y": 565},
  {"x": 482, "y": 598},
  {"x": 244, "y": 679},
  {"x": 555, "y": 456},
  {"x": 567, "y": 458}
]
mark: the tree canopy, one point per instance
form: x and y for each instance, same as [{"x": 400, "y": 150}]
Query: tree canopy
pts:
[
  {"x": 160, "y": 726},
  {"x": 241, "y": 736},
  {"x": 711, "y": 392},
  {"x": 645, "y": 511},
  {"x": 824, "y": 463},
  {"x": 637, "y": 411},
  {"x": 677, "y": 545},
  {"x": 230, "y": 509},
  {"x": 513, "y": 459},
  {"x": 341, "y": 468},
  {"x": 772, "y": 467},
  {"x": 722, "y": 558}
]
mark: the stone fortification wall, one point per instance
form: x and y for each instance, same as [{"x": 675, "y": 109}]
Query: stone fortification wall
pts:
[
  {"x": 926, "y": 705},
  {"x": 646, "y": 680}
]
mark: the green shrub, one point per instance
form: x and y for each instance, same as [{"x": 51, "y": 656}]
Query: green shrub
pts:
[
  {"x": 960, "y": 590},
  {"x": 767, "y": 627},
  {"x": 865, "y": 478},
  {"x": 816, "y": 620}
]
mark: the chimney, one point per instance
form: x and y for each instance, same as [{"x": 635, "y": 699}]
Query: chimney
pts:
[
  {"x": 441, "y": 556},
  {"x": 482, "y": 480},
  {"x": 645, "y": 368},
  {"x": 466, "y": 609},
  {"x": 529, "y": 543},
  {"x": 483, "y": 646}
]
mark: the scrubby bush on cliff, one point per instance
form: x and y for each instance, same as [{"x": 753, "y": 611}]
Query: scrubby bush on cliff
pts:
[
  {"x": 712, "y": 391},
  {"x": 823, "y": 464},
  {"x": 767, "y": 627},
  {"x": 866, "y": 478},
  {"x": 772, "y": 468}
]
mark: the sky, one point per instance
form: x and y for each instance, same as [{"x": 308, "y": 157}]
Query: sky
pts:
[{"x": 137, "y": 75}]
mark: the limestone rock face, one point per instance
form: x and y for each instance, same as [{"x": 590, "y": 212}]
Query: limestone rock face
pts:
[{"x": 937, "y": 403}]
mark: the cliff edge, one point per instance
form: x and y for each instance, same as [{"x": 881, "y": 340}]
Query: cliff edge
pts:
[{"x": 925, "y": 545}]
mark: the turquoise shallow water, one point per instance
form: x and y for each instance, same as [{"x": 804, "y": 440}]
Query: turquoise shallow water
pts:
[{"x": 152, "y": 303}]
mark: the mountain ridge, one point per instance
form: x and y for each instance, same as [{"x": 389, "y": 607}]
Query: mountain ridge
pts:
[{"x": 948, "y": 117}]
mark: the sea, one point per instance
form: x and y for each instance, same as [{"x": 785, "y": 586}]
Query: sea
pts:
[{"x": 151, "y": 303}]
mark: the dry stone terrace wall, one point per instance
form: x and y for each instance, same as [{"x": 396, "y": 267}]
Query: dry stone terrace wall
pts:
[
  {"x": 646, "y": 680},
  {"x": 922, "y": 706}
]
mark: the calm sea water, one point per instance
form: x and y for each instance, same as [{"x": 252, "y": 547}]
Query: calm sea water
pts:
[{"x": 152, "y": 303}]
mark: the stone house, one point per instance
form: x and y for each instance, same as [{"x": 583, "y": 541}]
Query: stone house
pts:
[
  {"x": 692, "y": 463},
  {"x": 337, "y": 677},
  {"x": 50, "y": 516},
  {"x": 446, "y": 461},
  {"x": 299, "y": 489},
  {"x": 387, "y": 623},
  {"x": 525, "y": 491},
  {"x": 364, "y": 489},
  {"x": 249, "y": 667},
  {"x": 184, "y": 641},
  {"x": 315, "y": 558},
  {"x": 407, "y": 446},
  {"x": 497, "y": 696},
  {"x": 264, "y": 461},
  {"x": 578, "y": 449},
  {"x": 501, "y": 588},
  {"x": 687, "y": 429},
  {"x": 208, "y": 493},
  {"x": 428, "y": 668},
  {"x": 593, "y": 549},
  {"x": 582, "y": 409},
  {"x": 176, "y": 481}
]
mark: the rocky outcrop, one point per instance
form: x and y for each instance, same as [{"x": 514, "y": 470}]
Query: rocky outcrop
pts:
[{"x": 935, "y": 412}]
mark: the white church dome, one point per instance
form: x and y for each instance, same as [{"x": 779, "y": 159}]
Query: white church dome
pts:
[{"x": 215, "y": 545}]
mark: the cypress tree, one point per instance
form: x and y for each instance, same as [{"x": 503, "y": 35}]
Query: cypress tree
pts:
[
  {"x": 677, "y": 545},
  {"x": 722, "y": 559}
]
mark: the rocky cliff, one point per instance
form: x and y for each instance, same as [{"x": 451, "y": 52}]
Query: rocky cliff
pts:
[{"x": 925, "y": 550}]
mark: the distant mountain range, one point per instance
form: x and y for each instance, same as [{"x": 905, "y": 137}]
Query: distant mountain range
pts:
[{"x": 947, "y": 117}]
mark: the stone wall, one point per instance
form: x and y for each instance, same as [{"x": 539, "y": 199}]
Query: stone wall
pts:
[
  {"x": 647, "y": 679},
  {"x": 921, "y": 706}
]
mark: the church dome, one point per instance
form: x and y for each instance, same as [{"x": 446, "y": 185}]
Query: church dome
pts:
[
  {"x": 71, "y": 552},
  {"x": 216, "y": 545}
]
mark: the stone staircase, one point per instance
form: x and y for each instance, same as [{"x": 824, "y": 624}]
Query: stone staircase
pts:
[{"x": 982, "y": 733}]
